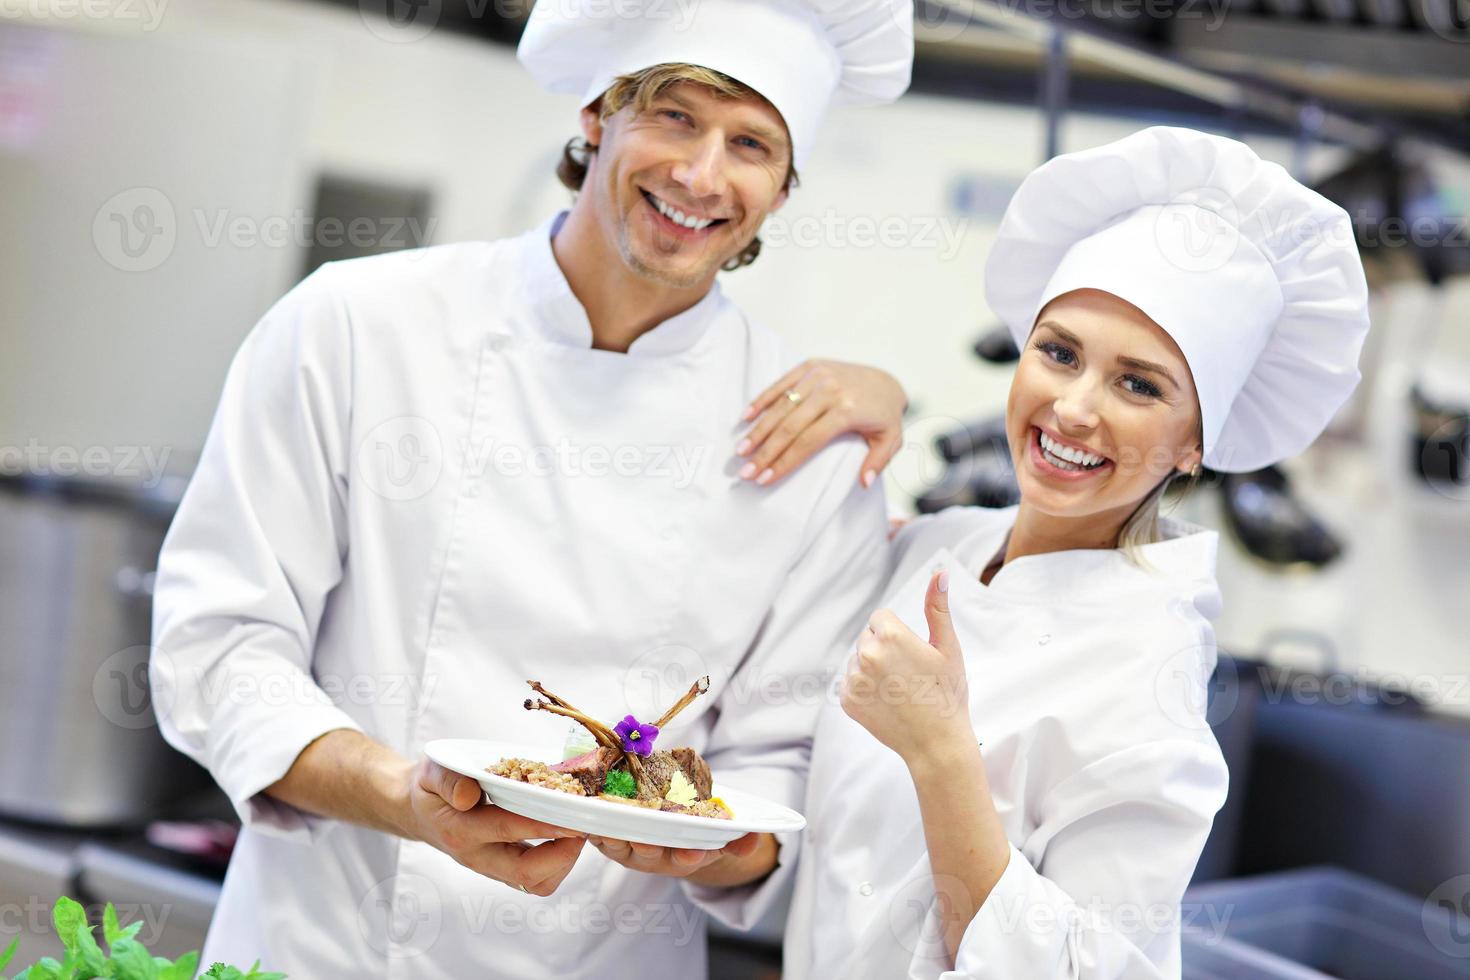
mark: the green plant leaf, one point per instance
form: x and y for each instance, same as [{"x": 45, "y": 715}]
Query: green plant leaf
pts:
[
  {"x": 45, "y": 969},
  {"x": 619, "y": 783},
  {"x": 183, "y": 968},
  {"x": 89, "y": 960},
  {"x": 131, "y": 961},
  {"x": 9, "y": 953},
  {"x": 111, "y": 931},
  {"x": 67, "y": 915},
  {"x": 221, "y": 972}
]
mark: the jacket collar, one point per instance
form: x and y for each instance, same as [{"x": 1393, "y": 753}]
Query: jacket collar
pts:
[
  {"x": 560, "y": 316},
  {"x": 1183, "y": 557}
]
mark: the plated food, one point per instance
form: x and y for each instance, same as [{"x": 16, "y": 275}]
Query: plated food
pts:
[
  {"x": 615, "y": 781},
  {"x": 624, "y": 767}
]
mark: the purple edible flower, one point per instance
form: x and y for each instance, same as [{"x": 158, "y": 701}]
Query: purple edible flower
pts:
[{"x": 637, "y": 739}]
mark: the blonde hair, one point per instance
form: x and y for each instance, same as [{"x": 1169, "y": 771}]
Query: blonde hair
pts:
[
  {"x": 640, "y": 89},
  {"x": 1142, "y": 527}
]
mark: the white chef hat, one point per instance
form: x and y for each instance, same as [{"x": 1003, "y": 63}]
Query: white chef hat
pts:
[
  {"x": 1255, "y": 277},
  {"x": 800, "y": 55}
]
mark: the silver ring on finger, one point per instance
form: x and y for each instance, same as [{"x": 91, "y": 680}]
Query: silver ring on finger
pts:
[{"x": 793, "y": 396}]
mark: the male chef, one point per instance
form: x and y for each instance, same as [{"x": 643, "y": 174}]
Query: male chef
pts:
[{"x": 435, "y": 475}]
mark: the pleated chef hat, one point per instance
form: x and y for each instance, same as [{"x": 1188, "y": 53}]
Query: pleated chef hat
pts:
[
  {"x": 801, "y": 55},
  {"x": 1256, "y": 277}
]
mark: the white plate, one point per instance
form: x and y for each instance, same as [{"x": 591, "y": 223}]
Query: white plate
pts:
[{"x": 470, "y": 756}]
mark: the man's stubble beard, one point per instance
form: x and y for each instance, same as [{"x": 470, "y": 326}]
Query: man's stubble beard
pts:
[{"x": 658, "y": 275}]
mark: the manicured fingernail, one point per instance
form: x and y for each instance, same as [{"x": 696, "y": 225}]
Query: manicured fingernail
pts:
[
  {"x": 766, "y": 477},
  {"x": 944, "y": 581},
  {"x": 868, "y": 477},
  {"x": 747, "y": 471},
  {"x": 743, "y": 447},
  {"x": 749, "y": 412}
]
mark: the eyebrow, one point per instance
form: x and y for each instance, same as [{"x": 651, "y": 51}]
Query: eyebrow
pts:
[
  {"x": 1132, "y": 362},
  {"x": 755, "y": 129}
]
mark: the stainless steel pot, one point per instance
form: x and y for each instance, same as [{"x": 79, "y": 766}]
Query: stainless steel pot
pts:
[{"x": 79, "y": 745}]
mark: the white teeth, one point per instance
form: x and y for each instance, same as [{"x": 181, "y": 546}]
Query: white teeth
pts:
[
  {"x": 1058, "y": 462},
  {"x": 1077, "y": 456},
  {"x": 679, "y": 217}
]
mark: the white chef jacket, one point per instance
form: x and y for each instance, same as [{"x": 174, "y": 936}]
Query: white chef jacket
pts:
[
  {"x": 423, "y": 487},
  {"x": 1087, "y": 681}
]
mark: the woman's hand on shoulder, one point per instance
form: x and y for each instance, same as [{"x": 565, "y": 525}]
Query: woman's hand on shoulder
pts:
[{"x": 814, "y": 403}]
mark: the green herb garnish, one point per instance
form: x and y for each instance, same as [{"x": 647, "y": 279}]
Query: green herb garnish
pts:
[{"x": 620, "y": 783}]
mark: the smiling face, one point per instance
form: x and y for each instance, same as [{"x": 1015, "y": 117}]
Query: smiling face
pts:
[
  {"x": 683, "y": 184},
  {"x": 1101, "y": 409}
]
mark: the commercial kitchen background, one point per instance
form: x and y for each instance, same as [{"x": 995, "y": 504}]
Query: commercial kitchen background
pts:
[{"x": 165, "y": 169}]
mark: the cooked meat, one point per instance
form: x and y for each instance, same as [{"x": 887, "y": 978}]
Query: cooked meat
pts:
[
  {"x": 589, "y": 768},
  {"x": 661, "y": 765},
  {"x": 697, "y": 770}
]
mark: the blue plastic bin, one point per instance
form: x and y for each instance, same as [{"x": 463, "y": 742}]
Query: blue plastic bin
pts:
[{"x": 1316, "y": 923}]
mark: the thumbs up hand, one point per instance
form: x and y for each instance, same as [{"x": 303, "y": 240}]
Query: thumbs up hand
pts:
[{"x": 910, "y": 694}]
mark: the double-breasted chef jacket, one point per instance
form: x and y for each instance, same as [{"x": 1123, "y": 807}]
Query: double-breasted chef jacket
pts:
[
  {"x": 1087, "y": 677},
  {"x": 423, "y": 487}
]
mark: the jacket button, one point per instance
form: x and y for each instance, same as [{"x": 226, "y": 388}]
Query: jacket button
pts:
[
  {"x": 1044, "y": 639},
  {"x": 865, "y": 889}
]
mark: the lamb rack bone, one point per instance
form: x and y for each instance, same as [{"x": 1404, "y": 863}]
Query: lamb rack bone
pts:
[
  {"x": 695, "y": 690},
  {"x": 558, "y": 701},
  {"x": 604, "y": 735}
]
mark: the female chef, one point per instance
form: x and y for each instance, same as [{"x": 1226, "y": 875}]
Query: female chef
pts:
[{"x": 1019, "y": 778}]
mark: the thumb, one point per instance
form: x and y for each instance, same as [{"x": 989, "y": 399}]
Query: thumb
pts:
[
  {"x": 936, "y": 611},
  {"x": 458, "y": 791}
]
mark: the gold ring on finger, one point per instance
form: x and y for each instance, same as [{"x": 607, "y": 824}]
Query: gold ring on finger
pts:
[
  {"x": 793, "y": 396},
  {"x": 524, "y": 889}
]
